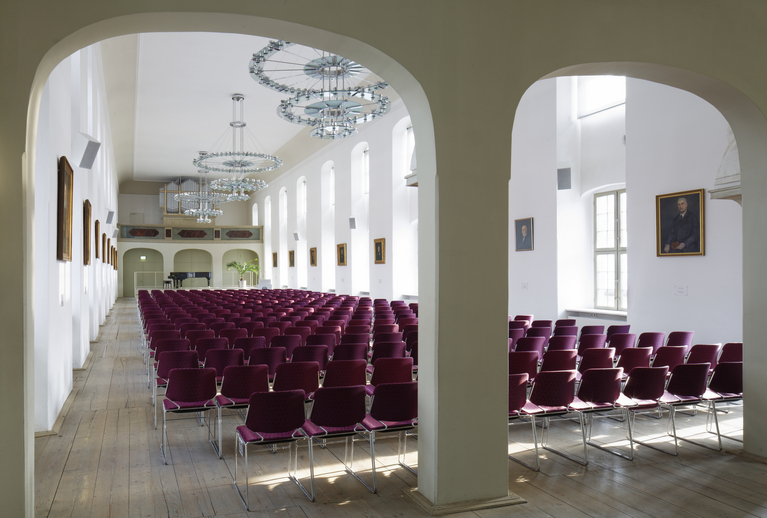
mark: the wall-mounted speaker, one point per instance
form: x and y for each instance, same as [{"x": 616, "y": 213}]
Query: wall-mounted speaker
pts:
[
  {"x": 86, "y": 147},
  {"x": 564, "y": 179},
  {"x": 352, "y": 223},
  {"x": 110, "y": 217},
  {"x": 295, "y": 236},
  {"x": 114, "y": 234}
]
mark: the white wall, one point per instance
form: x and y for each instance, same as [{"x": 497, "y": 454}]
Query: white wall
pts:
[{"x": 74, "y": 298}]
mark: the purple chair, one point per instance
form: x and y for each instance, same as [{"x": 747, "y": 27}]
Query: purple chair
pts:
[
  {"x": 189, "y": 327},
  {"x": 268, "y": 333},
  {"x": 203, "y": 345},
  {"x": 633, "y": 358},
  {"x": 591, "y": 330},
  {"x": 393, "y": 409},
  {"x": 297, "y": 375},
  {"x": 524, "y": 362},
  {"x": 351, "y": 352},
  {"x": 232, "y": 334},
  {"x": 220, "y": 326},
  {"x": 542, "y": 323},
  {"x": 357, "y": 329},
  {"x": 282, "y": 326},
  {"x": 731, "y": 352},
  {"x": 249, "y": 343},
  {"x": 621, "y": 341},
  {"x": 249, "y": 326},
  {"x": 566, "y": 330},
  {"x": 559, "y": 360},
  {"x": 387, "y": 350},
  {"x": 669, "y": 357},
  {"x": 311, "y": 353},
  {"x": 330, "y": 330},
  {"x": 355, "y": 338},
  {"x": 289, "y": 342},
  {"x": 562, "y": 343},
  {"x": 211, "y": 320},
  {"x": 680, "y": 338},
  {"x": 514, "y": 336},
  {"x": 238, "y": 383},
  {"x": 645, "y": 387},
  {"x": 531, "y": 343},
  {"x": 155, "y": 336},
  {"x": 390, "y": 370},
  {"x": 269, "y": 356},
  {"x": 625, "y": 328},
  {"x": 703, "y": 353},
  {"x": 168, "y": 360},
  {"x": 687, "y": 386},
  {"x": 181, "y": 321},
  {"x": 564, "y": 322},
  {"x": 601, "y": 358},
  {"x": 385, "y": 328},
  {"x": 273, "y": 417},
  {"x": 591, "y": 342},
  {"x": 238, "y": 321},
  {"x": 518, "y": 324},
  {"x": 543, "y": 332},
  {"x": 337, "y": 412},
  {"x": 188, "y": 391},
  {"x": 387, "y": 337},
  {"x": 327, "y": 340},
  {"x": 726, "y": 386},
  {"x": 220, "y": 359},
  {"x": 162, "y": 345},
  {"x": 529, "y": 318},
  {"x": 517, "y": 400},
  {"x": 651, "y": 339},
  {"x": 303, "y": 332},
  {"x": 344, "y": 373}
]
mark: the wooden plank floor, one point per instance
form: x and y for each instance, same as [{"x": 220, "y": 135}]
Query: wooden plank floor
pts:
[{"x": 105, "y": 462}]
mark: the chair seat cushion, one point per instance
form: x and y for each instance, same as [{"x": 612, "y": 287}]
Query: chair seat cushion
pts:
[
  {"x": 710, "y": 394},
  {"x": 161, "y": 382},
  {"x": 313, "y": 430},
  {"x": 730, "y": 395},
  {"x": 369, "y": 389},
  {"x": 224, "y": 401},
  {"x": 183, "y": 405},
  {"x": 643, "y": 404},
  {"x": 372, "y": 424},
  {"x": 668, "y": 398},
  {"x": 249, "y": 435}
]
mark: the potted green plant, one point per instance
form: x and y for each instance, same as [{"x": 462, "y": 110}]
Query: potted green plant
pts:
[{"x": 242, "y": 268}]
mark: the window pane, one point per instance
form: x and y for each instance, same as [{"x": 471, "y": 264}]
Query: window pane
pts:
[
  {"x": 605, "y": 221},
  {"x": 605, "y": 280},
  {"x": 624, "y": 302},
  {"x": 622, "y": 219}
]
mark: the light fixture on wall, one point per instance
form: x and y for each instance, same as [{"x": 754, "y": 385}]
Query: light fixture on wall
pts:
[{"x": 329, "y": 93}]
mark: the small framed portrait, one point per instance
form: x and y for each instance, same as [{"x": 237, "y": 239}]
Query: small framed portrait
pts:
[
  {"x": 341, "y": 253},
  {"x": 64, "y": 218},
  {"x": 523, "y": 229},
  {"x": 291, "y": 258},
  {"x": 680, "y": 223},
  {"x": 379, "y": 250},
  {"x": 274, "y": 259},
  {"x": 313, "y": 256},
  {"x": 87, "y": 209}
]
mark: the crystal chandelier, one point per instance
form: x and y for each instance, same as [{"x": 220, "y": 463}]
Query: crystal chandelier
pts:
[
  {"x": 329, "y": 93},
  {"x": 205, "y": 199},
  {"x": 237, "y": 189}
]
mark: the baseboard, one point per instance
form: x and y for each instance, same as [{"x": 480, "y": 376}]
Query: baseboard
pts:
[
  {"x": 86, "y": 363},
  {"x": 462, "y": 507},
  {"x": 56, "y": 429}
]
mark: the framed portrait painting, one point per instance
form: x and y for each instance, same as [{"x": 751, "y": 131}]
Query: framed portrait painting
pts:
[
  {"x": 291, "y": 258},
  {"x": 87, "y": 209},
  {"x": 64, "y": 219},
  {"x": 680, "y": 223},
  {"x": 341, "y": 253},
  {"x": 274, "y": 259},
  {"x": 313, "y": 256},
  {"x": 523, "y": 230},
  {"x": 379, "y": 250}
]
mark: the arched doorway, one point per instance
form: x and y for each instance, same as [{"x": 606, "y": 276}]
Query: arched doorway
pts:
[
  {"x": 192, "y": 260},
  {"x": 142, "y": 269},
  {"x": 240, "y": 255}
]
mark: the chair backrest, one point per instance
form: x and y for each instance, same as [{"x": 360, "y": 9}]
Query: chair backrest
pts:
[
  {"x": 542, "y": 323},
  {"x": 352, "y": 329},
  {"x": 517, "y": 392},
  {"x": 559, "y": 360},
  {"x": 303, "y": 332},
  {"x": 680, "y": 338},
  {"x": 669, "y": 356},
  {"x": 268, "y": 333},
  {"x": 592, "y": 330},
  {"x": 168, "y": 360},
  {"x": 240, "y": 381},
  {"x": 220, "y": 359},
  {"x": 731, "y": 352},
  {"x": 220, "y": 326},
  {"x": 238, "y": 321},
  {"x": 282, "y": 326},
  {"x": 600, "y": 358},
  {"x": 191, "y": 385},
  {"x": 156, "y": 336},
  {"x": 344, "y": 373},
  {"x": 269, "y": 356},
  {"x": 392, "y": 370},
  {"x": 600, "y": 385},
  {"x": 249, "y": 343},
  {"x": 385, "y": 328},
  {"x": 311, "y": 353},
  {"x": 621, "y": 341},
  {"x": 351, "y": 352},
  {"x": 171, "y": 344},
  {"x": 387, "y": 350},
  {"x": 623, "y": 328},
  {"x": 646, "y": 383},
  {"x": 395, "y": 402},
  {"x": 338, "y": 407},
  {"x": 250, "y": 325},
  {"x": 517, "y": 324},
  {"x": 232, "y": 334},
  {"x": 297, "y": 375},
  {"x": 564, "y": 322},
  {"x": 330, "y": 330},
  {"x": 529, "y": 318},
  {"x": 276, "y": 412},
  {"x": 523, "y": 362},
  {"x": 355, "y": 338},
  {"x": 531, "y": 343},
  {"x": 562, "y": 343},
  {"x": 289, "y": 342},
  {"x": 184, "y": 328},
  {"x": 553, "y": 389},
  {"x": 198, "y": 334},
  {"x": 727, "y": 378},
  {"x": 387, "y": 337},
  {"x": 591, "y": 342},
  {"x": 633, "y": 358},
  {"x": 688, "y": 379},
  {"x": 651, "y": 339},
  {"x": 703, "y": 353},
  {"x": 212, "y": 320},
  {"x": 329, "y": 340},
  {"x": 181, "y": 321},
  {"x": 203, "y": 345},
  {"x": 514, "y": 335},
  {"x": 407, "y": 329},
  {"x": 566, "y": 330}
]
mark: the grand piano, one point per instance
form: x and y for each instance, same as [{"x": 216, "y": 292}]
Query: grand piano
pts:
[{"x": 178, "y": 277}]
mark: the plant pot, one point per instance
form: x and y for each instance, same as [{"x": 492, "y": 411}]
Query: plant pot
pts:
[{"x": 243, "y": 283}]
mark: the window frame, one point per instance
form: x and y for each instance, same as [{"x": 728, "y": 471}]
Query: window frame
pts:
[{"x": 619, "y": 250}]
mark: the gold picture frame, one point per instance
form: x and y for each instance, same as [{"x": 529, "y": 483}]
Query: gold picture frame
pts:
[
  {"x": 523, "y": 232},
  {"x": 104, "y": 247},
  {"x": 96, "y": 234},
  {"x": 291, "y": 258},
  {"x": 64, "y": 219},
  {"x": 313, "y": 256},
  {"x": 341, "y": 254},
  {"x": 87, "y": 209},
  {"x": 108, "y": 250},
  {"x": 379, "y": 250},
  {"x": 274, "y": 259},
  {"x": 680, "y": 223}
]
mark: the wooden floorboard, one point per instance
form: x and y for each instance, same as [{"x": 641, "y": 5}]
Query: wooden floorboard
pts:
[{"x": 105, "y": 462}]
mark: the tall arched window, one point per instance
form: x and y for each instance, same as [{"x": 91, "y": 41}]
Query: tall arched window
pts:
[
  {"x": 327, "y": 252},
  {"x": 254, "y": 215},
  {"x": 283, "y": 254},
  {"x": 404, "y": 245},
  {"x": 267, "y": 263},
  {"x": 301, "y": 252},
  {"x": 360, "y": 235}
]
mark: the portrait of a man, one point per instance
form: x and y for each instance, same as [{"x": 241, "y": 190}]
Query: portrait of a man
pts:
[
  {"x": 524, "y": 231},
  {"x": 274, "y": 259},
  {"x": 680, "y": 223},
  {"x": 313, "y": 256},
  {"x": 291, "y": 258},
  {"x": 342, "y": 254},
  {"x": 379, "y": 250}
]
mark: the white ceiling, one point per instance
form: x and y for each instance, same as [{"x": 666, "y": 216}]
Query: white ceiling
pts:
[{"x": 169, "y": 96}]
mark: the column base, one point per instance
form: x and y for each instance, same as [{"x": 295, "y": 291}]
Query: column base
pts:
[{"x": 462, "y": 507}]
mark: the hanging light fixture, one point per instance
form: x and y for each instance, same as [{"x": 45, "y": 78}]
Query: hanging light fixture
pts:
[
  {"x": 329, "y": 93},
  {"x": 205, "y": 199}
]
